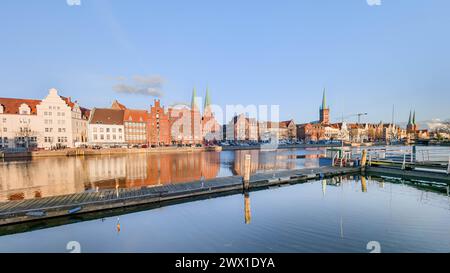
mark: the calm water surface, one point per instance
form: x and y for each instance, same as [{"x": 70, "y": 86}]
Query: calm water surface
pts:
[
  {"x": 46, "y": 177},
  {"x": 339, "y": 215}
]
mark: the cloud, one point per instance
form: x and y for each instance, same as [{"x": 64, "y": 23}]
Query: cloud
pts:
[
  {"x": 155, "y": 80},
  {"x": 374, "y": 2},
  {"x": 140, "y": 85}
]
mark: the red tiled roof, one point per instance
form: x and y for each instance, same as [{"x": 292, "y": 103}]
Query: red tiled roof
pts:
[
  {"x": 11, "y": 105},
  {"x": 118, "y": 106},
  {"x": 84, "y": 111},
  {"x": 135, "y": 115},
  {"x": 107, "y": 116}
]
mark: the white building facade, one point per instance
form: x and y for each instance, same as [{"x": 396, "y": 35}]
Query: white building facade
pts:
[
  {"x": 106, "y": 127},
  {"x": 54, "y": 122}
]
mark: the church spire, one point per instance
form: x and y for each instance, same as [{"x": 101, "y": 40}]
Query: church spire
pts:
[
  {"x": 324, "y": 100},
  {"x": 410, "y": 118},
  {"x": 194, "y": 99},
  {"x": 414, "y": 118},
  {"x": 207, "y": 99}
]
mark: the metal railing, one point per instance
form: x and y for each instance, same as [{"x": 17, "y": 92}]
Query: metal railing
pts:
[{"x": 420, "y": 156}]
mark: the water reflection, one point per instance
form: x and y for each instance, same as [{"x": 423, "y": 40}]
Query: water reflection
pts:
[
  {"x": 46, "y": 177},
  {"x": 402, "y": 216},
  {"x": 248, "y": 212}
]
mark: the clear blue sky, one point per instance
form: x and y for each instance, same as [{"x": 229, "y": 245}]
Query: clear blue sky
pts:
[{"x": 247, "y": 52}]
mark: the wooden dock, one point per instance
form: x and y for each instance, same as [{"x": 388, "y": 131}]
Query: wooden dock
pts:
[
  {"x": 14, "y": 212},
  {"x": 410, "y": 174}
]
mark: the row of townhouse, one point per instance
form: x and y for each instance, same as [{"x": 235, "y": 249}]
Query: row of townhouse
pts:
[
  {"x": 119, "y": 125},
  {"x": 53, "y": 122},
  {"x": 58, "y": 122},
  {"x": 243, "y": 128}
]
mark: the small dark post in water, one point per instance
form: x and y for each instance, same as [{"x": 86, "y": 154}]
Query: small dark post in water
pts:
[
  {"x": 448, "y": 166},
  {"x": 247, "y": 165},
  {"x": 248, "y": 213},
  {"x": 414, "y": 154},
  {"x": 363, "y": 160},
  {"x": 363, "y": 184}
]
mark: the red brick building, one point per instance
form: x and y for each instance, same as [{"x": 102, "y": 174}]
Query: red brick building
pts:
[
  {"x": 211, "y": 129},
  {"x": 158, "y": 126},
  {"x": 315, "y": 131},
  {"x": 135, "y": 123},
  {"x": 186, "y": 123}
]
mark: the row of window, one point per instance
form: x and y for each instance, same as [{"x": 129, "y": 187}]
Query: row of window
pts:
[
  {"x": 24, "y": 139},
  {"x": 107, "y": 137},
  {"x": 135, "y": 124},
  {"x": 108, "y": 130},
  {"x": 135, "y": 137},
  {"x": 59, "y": 114},
  {"x": 49, "y": 121},
  {"x": 60, "y": 139},
  {"x": 136, "y": 131},
  {"x": 60, "y": 130}
]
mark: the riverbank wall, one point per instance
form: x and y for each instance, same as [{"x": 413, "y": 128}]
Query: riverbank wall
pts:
[{"x": 115, "y": 151}]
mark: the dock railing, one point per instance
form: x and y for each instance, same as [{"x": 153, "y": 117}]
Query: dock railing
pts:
[{"x": 420, "y": 157}]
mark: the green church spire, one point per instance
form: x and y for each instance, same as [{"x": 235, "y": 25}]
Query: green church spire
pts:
[
  {"x": 194, "y": 99},
  {"x": 414, "y": 118},
  {"x": 324, "y": 100},
  {"x": 207, "y": 99},
  {"x": 410, "y": 118}
]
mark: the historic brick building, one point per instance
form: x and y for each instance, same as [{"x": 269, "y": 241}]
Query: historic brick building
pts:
[
  {"x": 211, "y": 129},
  {"x": 242, "y": 128},
  {"x": 288, "y": 130},
  {"x": 315, "y": 131},
  {"x": 190, "y": 127},
  {"x": 136, "y": 127},
  {"x": 159, "y": 132},
  {"x": 324, "y": 111}
]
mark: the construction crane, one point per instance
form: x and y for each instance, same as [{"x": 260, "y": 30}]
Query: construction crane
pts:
[{"x": 359, "y": 115}]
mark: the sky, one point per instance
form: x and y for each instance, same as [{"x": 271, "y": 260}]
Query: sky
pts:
[{"x": 253, "y": 52}]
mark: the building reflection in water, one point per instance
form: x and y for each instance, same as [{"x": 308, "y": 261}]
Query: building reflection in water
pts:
[
  {"x": 324, "y": 187},
  {"x": 363, "y": 184},
  {"x": 61, "y": 176},
  {"x": 270, "y": 161},
  {"x": 46, "y": 177},
  {"x": 248, "y": 212}
]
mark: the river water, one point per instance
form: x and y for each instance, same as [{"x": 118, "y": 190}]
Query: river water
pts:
[
  {"x": 46, "y": 177},
  {"x": 343, "y": 214}
]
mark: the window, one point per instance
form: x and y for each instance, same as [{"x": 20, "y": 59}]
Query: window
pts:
[
  {"x": 120, "y": 130},
  {"x": 102, "y": 137},
  {"x": 101, "y": 130},
  {"x": 5, "y": 129},
  {"x": 107, "y": 130},
  {"x": 95, "y": 129},
  {"x": 95, "y": 137}
]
